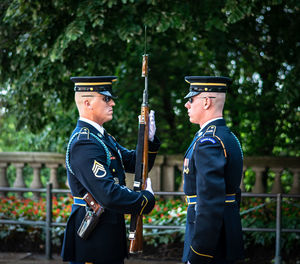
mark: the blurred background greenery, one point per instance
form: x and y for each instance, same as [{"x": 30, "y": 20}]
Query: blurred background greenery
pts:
[{"x": 44, "y": 43}]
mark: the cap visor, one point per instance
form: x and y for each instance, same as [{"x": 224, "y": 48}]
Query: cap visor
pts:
[
  {"x": 107, "y": 93},
  {"x": 191, "y": 94}
]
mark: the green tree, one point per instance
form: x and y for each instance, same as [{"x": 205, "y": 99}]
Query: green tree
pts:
[{"x": 44, "y": 43}]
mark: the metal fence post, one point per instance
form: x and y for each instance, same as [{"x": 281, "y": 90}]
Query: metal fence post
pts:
[
  {"x": 278, "y": 230},
  {"x": 48, "y": 220}
]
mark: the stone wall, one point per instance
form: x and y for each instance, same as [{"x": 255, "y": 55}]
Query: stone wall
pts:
[{"x": 163, "y": 174}]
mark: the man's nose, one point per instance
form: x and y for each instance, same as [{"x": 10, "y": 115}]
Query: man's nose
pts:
[{"x": 112, "y": 102}]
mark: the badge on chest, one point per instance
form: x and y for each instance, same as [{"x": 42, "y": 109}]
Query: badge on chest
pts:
[{"x": 186, "y": 166}]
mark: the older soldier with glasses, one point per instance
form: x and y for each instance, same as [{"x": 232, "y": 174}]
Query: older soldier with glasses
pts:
[
  {"x": 96, "y": 165},
  {"x": 212, "y": 170}
]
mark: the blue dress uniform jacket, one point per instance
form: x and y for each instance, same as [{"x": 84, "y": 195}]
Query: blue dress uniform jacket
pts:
[
  {"x": 212, "y": 171},
  {"x": 97, "y": 163}
]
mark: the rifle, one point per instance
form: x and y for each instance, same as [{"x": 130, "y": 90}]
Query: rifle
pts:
[{"x": 141, "y": 167}]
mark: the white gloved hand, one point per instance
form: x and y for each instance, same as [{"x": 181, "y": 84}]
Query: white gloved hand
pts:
[
  {"x": 148, "y": 185},
  {"x": 189, "y": 262},
  {"x": 152, "y": 126}
]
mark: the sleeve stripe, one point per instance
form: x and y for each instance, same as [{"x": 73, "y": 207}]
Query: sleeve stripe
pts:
[
  {"x": 209, "y": 256},
  {"x": 144, "y": 204},
  {"x": 222, "y": 146}
]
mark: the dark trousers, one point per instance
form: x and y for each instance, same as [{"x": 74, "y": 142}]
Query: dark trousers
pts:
[
  {"x": 115, "y": 262},
  {"x": 220, "y": 262}
]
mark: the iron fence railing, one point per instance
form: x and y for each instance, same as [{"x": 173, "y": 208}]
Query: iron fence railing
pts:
[{"x": 48, "y": 224}]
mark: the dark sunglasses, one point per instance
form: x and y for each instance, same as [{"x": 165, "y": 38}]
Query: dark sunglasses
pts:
[
  {"x": 191, "y": 99},
  {"x": 106, "y": 98}
]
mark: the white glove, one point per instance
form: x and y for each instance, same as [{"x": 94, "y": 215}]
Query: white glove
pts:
[
  {"x": 152, "y": 127},
  {"x": 189, "y": 262},
  {"x": 148, "y": 185}
]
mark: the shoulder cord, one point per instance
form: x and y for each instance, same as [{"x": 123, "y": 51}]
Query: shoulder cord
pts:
[
  {"x": 97, "y": 138},
  {"x": 238, "y": 144}
]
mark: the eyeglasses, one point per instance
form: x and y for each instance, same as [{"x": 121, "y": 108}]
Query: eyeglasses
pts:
[
  {"x": 191, "y": 99},
  {"x": 106, "y": 98}
]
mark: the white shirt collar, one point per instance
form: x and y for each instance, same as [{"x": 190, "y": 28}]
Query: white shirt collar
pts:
[
  {"x": 209, "y": 121},
  {"x": 94, "y": 124}
]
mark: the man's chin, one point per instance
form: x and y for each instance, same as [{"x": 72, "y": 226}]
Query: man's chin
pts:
[
  {"x": 193, "y": 121},
  {"x": 109, "y": 118}
]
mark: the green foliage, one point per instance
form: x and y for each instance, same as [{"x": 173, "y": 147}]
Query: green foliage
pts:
[
  {"x": 166, "y": 212},
  {"x": 249, "y": 179},
  {"x": 27, "y": 209},
  {"x": 44, "y": 43},
  {"x": 261, "y": 213}
]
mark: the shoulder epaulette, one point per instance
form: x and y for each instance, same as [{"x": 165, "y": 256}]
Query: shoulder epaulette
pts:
[
  {"x": 209, "y": 136},
  {"x": 210, "y": 131},
  {"x": 84, "y": 133}
]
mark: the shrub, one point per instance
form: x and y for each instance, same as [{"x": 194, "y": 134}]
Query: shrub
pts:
[{"x": 255, "y": 212}]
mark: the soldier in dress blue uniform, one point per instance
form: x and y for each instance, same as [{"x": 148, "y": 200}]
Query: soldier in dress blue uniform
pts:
[
  {"x": 212, "y": 171},
  {"x": 96, "y": 163}
]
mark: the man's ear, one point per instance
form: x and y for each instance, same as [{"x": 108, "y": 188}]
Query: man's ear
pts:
[
  {"x": 87, "y": 104},
  {"x": 207, "y": 103}
]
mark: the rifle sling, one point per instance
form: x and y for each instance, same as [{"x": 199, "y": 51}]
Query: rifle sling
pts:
[
  {"x": 139, "y": 158},
  {"x": 133, "y": 222}
]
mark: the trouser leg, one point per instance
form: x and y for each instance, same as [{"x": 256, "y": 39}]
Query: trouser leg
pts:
[{"x": 114, "y": 262}]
